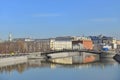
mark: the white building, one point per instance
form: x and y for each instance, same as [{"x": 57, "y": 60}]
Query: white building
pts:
[{"x": 77, "y": 46}]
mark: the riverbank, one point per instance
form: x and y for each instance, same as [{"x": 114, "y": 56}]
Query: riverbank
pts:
[{"x": 12, "y": 60}]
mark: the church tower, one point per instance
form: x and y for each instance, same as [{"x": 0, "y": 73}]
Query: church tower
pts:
[{"x": 10, "y": 37}]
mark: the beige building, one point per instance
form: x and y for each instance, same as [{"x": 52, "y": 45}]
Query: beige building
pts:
[{"x": 60, "y": 45}]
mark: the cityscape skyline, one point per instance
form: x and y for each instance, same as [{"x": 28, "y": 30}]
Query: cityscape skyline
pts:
[{"x": 45, "y": 19}]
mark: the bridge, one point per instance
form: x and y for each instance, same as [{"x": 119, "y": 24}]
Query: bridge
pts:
[
  {"x": 90, "y": 51},
  {"x": 69, "y": 53},
  {"x": 65, "y": 53}
]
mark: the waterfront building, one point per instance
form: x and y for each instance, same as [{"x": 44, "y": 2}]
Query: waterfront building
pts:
[
  {"x": 82, "y": 44},
  {"x": 77, "y": 45},
  {"x": 96, "y": 39},
  {"x": 101, "y": 41},
  {"x": 61, "y": 43},
  {"x": 71, "y": 42}
]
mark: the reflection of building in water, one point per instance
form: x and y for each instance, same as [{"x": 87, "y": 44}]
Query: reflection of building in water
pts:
[
  {"x": 53, "y": 66},
  {"x": 66, "y": 60},
  {"x": 34, "y": 63},
  {"x": 42, "y": 64},
  {"x": 100, "y": 64},
  {"x": 18, "y": 67},
  {"x": 83, "y": 57}
]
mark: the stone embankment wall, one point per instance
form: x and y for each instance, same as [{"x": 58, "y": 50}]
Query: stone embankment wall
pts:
[{"x": 12, "y": 60}]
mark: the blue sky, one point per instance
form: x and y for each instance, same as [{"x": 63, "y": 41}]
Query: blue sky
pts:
[{"x": 51, "y": 18}]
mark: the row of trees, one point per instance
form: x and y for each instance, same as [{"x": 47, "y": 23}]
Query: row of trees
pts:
[{"x": 23, "y": 47}]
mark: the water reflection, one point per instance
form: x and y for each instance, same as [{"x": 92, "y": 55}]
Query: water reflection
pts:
[
  {"x": 99, "y": 64},
  {"x": 38, "y": 63},
  {"x": 18, "y": 67},
  {"x": 71, "y": 58},
  {"x": 76, "y": 59}
]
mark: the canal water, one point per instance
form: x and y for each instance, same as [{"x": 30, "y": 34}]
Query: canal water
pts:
[{"x": 37, "y": 69}]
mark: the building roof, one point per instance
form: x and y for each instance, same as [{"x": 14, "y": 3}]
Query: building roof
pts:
[
  {"x": 68, "y": 38},
  {"x": 23, "y": 39},
  {"x": 42, "y": 40},
  {"x": 101, "y": 38}
]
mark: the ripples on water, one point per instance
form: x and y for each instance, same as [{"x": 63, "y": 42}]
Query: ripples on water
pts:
[{"x": 40, "y": 70}]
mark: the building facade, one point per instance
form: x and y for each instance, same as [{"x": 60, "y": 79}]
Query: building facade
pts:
[
  {"x": 61, "y": 43},
  {"x": 82, "y": 44},
  {"x": 101, "y": 41},
  {"x": 71, "y": 42}
]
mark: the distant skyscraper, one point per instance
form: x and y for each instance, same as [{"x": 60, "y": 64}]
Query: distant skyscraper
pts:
[{"x": 10, "y": 37}]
